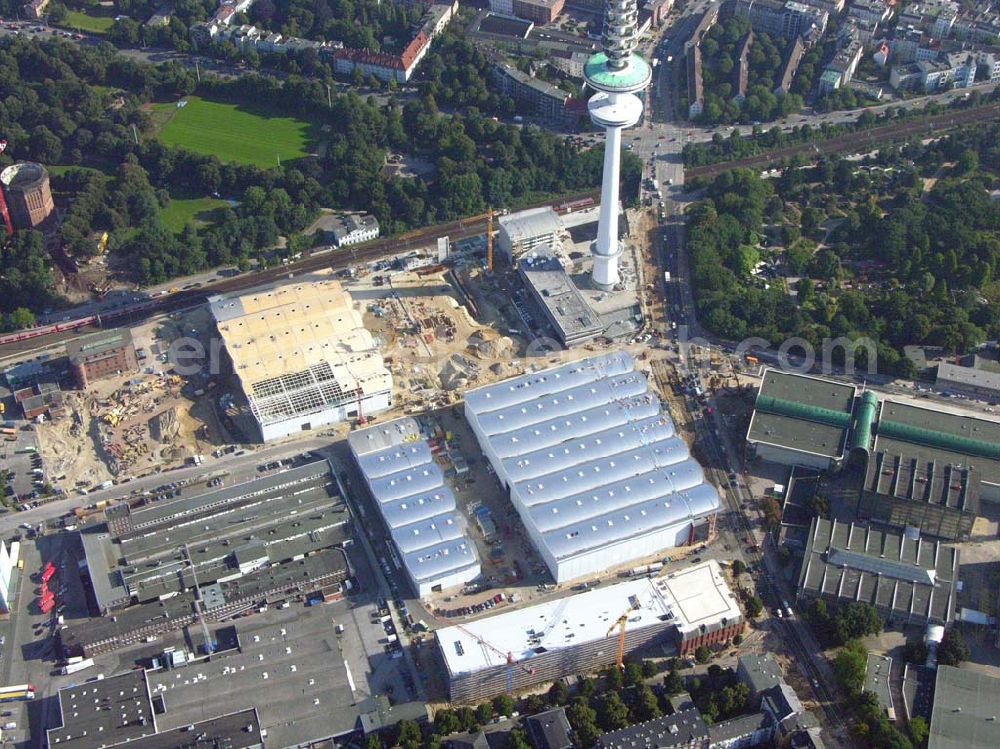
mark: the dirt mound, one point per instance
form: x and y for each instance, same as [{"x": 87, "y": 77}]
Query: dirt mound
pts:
[
  {"x": 164, "y": 426},
  {"x": 486, "y": 346},
  {"x": 457, "y": 372}
]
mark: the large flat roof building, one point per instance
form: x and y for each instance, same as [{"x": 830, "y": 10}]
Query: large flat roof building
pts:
[
  {"x": 966, "y": 706},
  {"x": 908, "y": 580},
  {"x": 801, "y": 420},
  {"x": 978, "y": 380},
  {"x": 940, "y": 498},
  {"x": 570, "y": 635},
  {"x": 302, "y": 355},
  {"x": 941, "y": 438},
  {"x": 565, "y": 308},
  {"x": 593, "y": 465},
  {"x": 419, "y": 511}
]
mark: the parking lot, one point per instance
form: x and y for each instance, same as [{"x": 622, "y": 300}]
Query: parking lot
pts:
[{"x": 20, "y": 458}]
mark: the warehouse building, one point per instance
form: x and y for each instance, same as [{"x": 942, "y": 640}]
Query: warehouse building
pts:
[
  {"x": 108, "y": 353},
  {"x": 419, "y": 511},
  {"x": 593, "y": 465},
  {"x": 121, "y": 711},
  {"x": 801, "y": 420},
  {"x": 302, "y": 355},
  {"x": 908, "y": 579},
  {"x": 572, "y": 635},
  {"x": 533, "y": 230},
  {"x": 940, "y": 438},
  {"x": 966, "y": 706},
  {"x": 941, "y": 499},
  {"x": 981, "y": 380}
]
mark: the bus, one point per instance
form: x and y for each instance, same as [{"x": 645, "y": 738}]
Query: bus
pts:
[{"x": 17, "y": 693}]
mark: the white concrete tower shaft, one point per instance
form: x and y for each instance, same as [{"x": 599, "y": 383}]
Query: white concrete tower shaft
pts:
[{"x": 615, "y": 74}]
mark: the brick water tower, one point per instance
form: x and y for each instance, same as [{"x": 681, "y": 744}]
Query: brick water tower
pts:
[{"x": 26, "y": 190}]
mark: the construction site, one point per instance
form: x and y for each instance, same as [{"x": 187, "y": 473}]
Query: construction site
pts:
[{"x": 134, "y": 423}]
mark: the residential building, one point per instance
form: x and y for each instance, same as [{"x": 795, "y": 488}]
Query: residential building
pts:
[
  {"x": 966, "y": 706},
  {"x": 504, "y": 7},
  {"x": 696, "y": 82},
  {"x": 832, "y": 7},
  {"x": 681, "y": 730},
  {"x": 532, "y": 230},
  {"x": 788, "y": 19},
  {"x": 541, "y": 97},
  {"x": 302, "y": 356},
  {"x": 760, "y": 672},
  {"x": 34, "y": 9},
  {"x": 910, "y": 581},
  {"x": 353, "y": 228},
  {"x": 419, "y": 511},
  {"x": 982, "y": 27},
  {"x": 957, "y": 69},
  {"x": 790, "y": 65},
  {"x": 741, "y": 72},
  {"x": 871, "y": 10},
  {"x": 742, "y": 732},
  {"x": 549, "y": 729},
  {"x": 99, "y": 355},
  {"x": 841, "y": 68},
  {"x": 539, "y": 11},
  {"x": 905, "y": 76}
]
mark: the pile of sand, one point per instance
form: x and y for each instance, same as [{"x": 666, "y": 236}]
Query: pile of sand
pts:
[
  {"x": 488, "y": 347},
  {"x": 457, "y": 372}
]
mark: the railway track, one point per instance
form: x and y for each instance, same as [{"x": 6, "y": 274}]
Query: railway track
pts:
[
  {"x": 857, "y": 141},
  {"x": 378, "y": 249}
]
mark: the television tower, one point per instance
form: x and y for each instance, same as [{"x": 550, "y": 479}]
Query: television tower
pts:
[{"x": 615, "y": 73}]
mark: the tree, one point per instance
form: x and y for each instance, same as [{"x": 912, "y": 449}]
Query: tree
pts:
[
  {"x": 614, "y": 678},
  {"x": 645, "y": 705},
  {"x": 504, "y": 704},
  {"x": 612, "y": 713},
  {"x": 919, "y": 730},
  {"x": 534, "y": 703},
  {"x": 518, "y": 739},
  {"x": 754, "y": 606},
  {"x": 772, "y": 512},
  {"x": 446, "y": 722},
  {"x": 857, "y": 619},
  {"x": 952, "y": 650},
  {"x": 558, "y": 693},
  {"x": 739, "y": 567},
  {"x": 649, "y": 668},
  {"x": 673, "y": 683},
  {"x": 633, "y": 673},
  {"x": 702, "y": 654},
  {"x": 738, "y": 639},
  {"x": 849, "y": 666},
  {"x": 484, "y": 713},
  {"x": 409, "y": 734},
  {"x": 583, "y": 719},
  {"x": 374, "y": 741}
]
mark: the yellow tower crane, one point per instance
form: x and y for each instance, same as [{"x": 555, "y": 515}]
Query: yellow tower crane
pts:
[{"x": 635, "y": 603}]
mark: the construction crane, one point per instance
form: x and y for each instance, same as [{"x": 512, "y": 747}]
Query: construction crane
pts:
[
  {"x": 508, "y": 656},
  {"x": 489, "y": 239},
  {"x": 635, "y": 603},
  {"x": 3, "y": 201}
]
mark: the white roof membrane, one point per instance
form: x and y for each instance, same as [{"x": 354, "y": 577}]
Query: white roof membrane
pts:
[
  {"x": 394, "y": 459},
  {"x": 424, "y": 533},
  {"x": 418, "y": 507}
]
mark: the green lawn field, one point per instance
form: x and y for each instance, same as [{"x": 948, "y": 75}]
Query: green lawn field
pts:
[
  {"x": 182, "y": 211},
  {"x": 234, "y": 133},
  {"x": 94, "y": 24}
]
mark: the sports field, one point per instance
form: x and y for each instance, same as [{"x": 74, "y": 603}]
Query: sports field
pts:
[
  {"x": 182, "y": 211},
  {"x": 95, "y": 24},
  {"x": 234, "y": 133}
]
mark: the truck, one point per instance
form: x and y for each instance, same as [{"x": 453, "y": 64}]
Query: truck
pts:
[
  {"x": 72, "y": 668},
  {"x": 666, "y": 276},
  {"x": 656, "y": 185}
]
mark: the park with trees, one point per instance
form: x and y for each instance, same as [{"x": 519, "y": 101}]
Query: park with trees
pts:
[{"x": 900, "y": 248}]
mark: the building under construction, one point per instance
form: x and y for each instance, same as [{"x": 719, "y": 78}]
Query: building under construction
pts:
[
  {"x": 583, "y": 633},
  {"x": 302, "y": 355},
  {"x": 157, "y": 563}
]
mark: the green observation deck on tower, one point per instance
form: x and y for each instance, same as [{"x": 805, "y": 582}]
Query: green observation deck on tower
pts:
[{"x": 633, "y": 77}]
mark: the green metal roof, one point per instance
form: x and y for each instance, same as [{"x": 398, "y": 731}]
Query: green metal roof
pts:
[
  {"x": 781, "y": 407},
  {"x": 861, "y": 439},
  {"x": 942, "y": 440}
]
